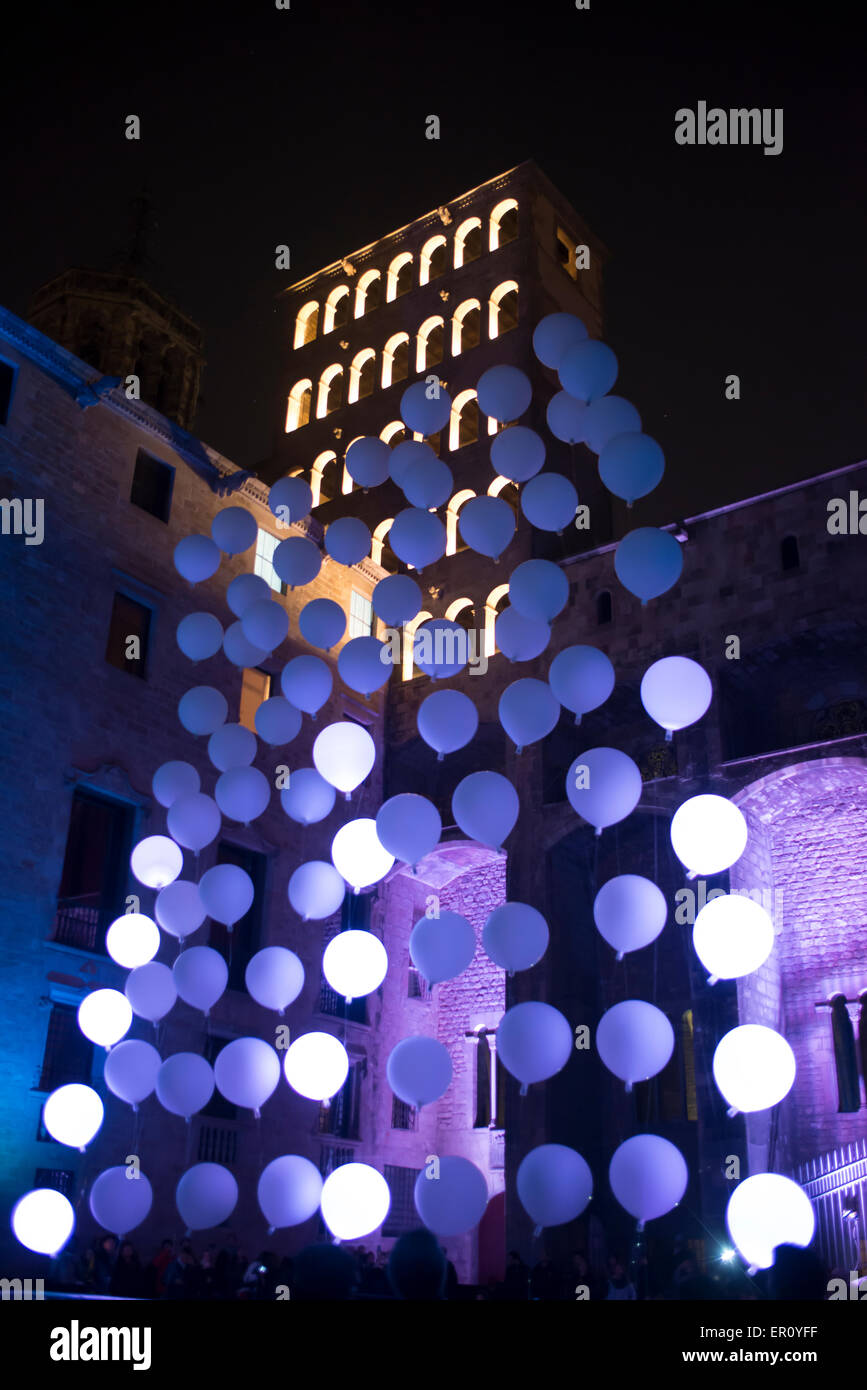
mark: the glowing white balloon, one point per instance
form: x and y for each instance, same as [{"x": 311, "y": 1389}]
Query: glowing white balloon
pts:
[
  {"x": 635, "y": 1040},
  {"x": 732, "y": 936},
  {"x": 104, "y": 1016},
  {"x": 179, "y": 909},
  {"x": 629, "y": 912},
  {"x": 156, "y": 861},
  {"x": 43, "y": 1220},
  {"x": 151, "y": 990},
  {"x": 73, "y": 1115},
  {"x": 131, "y": 1071},
  {"x": 754, "y": 1068},
  {"x": 355, "y": 1200},
  {"x": 708, "y": 834},
  {"x": 133, "y": 939},
  {"x": 343, "y": 754},
  {"x": 316, "y": 1065},
  {"x": 765, "y": 1211},
  {"x": 358, "y": 855},
  {"x": 316, "y": 890},
  {"x": 675, "y": 692},
  {"x": 355, "y": 963},
  {"x": 274, "y": 978},
  {"x": 175, "y": 779},
  {"x": 289, "y": 1191}
]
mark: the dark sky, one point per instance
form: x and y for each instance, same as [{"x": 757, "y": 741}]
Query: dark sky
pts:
[{"x": 306, "y": 127}]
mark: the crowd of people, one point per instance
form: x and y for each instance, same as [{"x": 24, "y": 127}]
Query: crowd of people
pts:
[{"x": 417, "y": 1267}]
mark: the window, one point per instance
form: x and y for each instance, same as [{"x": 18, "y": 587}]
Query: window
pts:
[
  {"x": 360, "y": 615},
  {"x": 306, "y": 324},
  {"x": 395, "y": 359},
  {"x": 298, "y": 405},
  {"x": 566, "y": 248},
  {"x": 504, "y": 224},
  {"x": 368, "y": 294},
  {"x": 95, "y": 873},
  {"x": 789, "y": 557},
  {"x": 687, "y": 1038},
  {"x": 399, "y": 276},
  {"x": 603, "y": 608},
  {"x": 337, "y": 309},
  {"x": 263, "y": 564},
  {"x": 403, "y": 1116},
  {"x": 238, "y": 945},
  {"x": 468, "y": 241},
  {"x": 60, "y": 1179},
  {"x": 417, "y": 986},
  {"x": 362, "y": 375},
  {"x": 68, "y": 1054},
  {"x": 432, "y": 262},
  {"x": 454, "y": 540},
  {"x": 7, "y": 385},
  {"x": 330, "y": 396},
  {"x": 402, "y": 1215},
  {"x": 490, "y": 1084},
  {"x": 394, "y": 433},
  {"x": 466, "y": 327},
  {"x": 217, "y": 1108},
  {"x": 255, "y": 690},
  {"x": 503, "y": 309},
  {"x": 341, "y": 1117},
  {"x": 128, "y": 633},
  {"x": 331, "y": 1158},
  {"x": 845, "y": 1059},
  {"x": 429, "y": 350},
  {"x": 152, "y": 483},
  {"x": 464, "y": 425}
]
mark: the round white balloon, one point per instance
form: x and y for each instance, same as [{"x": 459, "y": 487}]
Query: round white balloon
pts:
[
  {"x": 629, "y": 912},
  {"x": 754, "y": 1068},
  {"x": 355, "y": 1200},
  {"x": 732, "y": 936},
  {"x": 635, "y": 1040},
  {"x": 316, "y": 1065},
  {"x": 648, "y": 1176},
  {"x": 765, "y": 1211},
  {"x": 358, "y": 854},
  {"x": 354, "y": 963},
  {"x": 708, "y": 834}
]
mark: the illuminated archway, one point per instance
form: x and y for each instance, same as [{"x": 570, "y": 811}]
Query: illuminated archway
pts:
[
  {"x": 452, "y": 511},
  {"x": 468, "y": 241},
  {"x": 464, "y": 421},
  {"x": 503, "y": 224},
  {"x": 361, "y": 375},
  {"x": 408, "y": 634},
  {"x": 298, "y": 405},
  {"x": 368, "y": 293},
  {"x": 306, "y": 323},
  {"x": 317, "y": 474},
  {"x": 466, "y": 326},
  {"x": 391, "y": 432},
  {"x": 493, "y": 604},
  {"x": 330, "y": 395},
  {"x": 503, "y": 309},
  {"x": 429, "y": 343},
  {"x": 432, "y": 260},
  {"x": 395, "y": 359},
  {"x": 336, "y": 309},
  {"x": 399, "y": 276}
]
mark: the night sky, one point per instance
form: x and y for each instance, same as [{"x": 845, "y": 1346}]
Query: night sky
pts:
[{"x": 307, "y": 127}]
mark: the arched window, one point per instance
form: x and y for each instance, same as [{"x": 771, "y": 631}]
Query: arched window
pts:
[
  {"x": 503, "y": 309},
  {"x": 306, "y": 324},
  {"x": 409, "y": 667},
  {"x": 468, "y": 241},
  {"x": 362, "y": 373},
  {"x": 399, "y": 276},
  {"x": 298, "y": 406},
  {"x": 336, "y": 309},
  {"x": 789, "y": 557},
  {"x": 490, "y": 1081},
  {"x": 330, "y": 397},
  {"x": 324, "y": 478},
  {"x": 845, "y": 1059},
  {"x": 504, "y": 223},
  {"x": 346, "y": 485},
  {"x": 429, "y": 344},
  {"x": 395, "y": 359},
  {"x": 432, "y": 261},
  {"x": 368, "y": 293},
  {"x": 464, "y": 423},
  {"x": 466, "y": 326},
  {"x": 496, "y": 601},
  {"x": 603, "y": 608},
  {"x": 463, "y": 612},
  {"x": 395, "y": 433},
  {"x": 454, "y": 543},
  {"x": 378, "y": 542},
  {"x": 507, "y": 491}
]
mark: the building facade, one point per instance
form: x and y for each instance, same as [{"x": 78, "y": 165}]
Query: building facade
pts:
[{"x": 122, "y": 482}]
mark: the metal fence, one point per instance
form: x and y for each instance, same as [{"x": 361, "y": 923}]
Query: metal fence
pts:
[{"x": 836, "y": 1184}]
